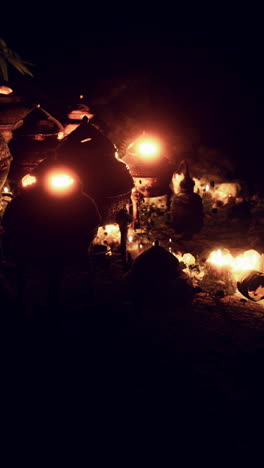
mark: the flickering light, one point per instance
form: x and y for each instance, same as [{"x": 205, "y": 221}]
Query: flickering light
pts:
[
  {"x": 60, "y": 135},
  {"x": 5, "y": 90},
  {"x": 207, "y": 188},
  {"x": 61, "y": 181},
  {"x": 220, "y": 258},
  {"x": 28, "y": 180},
  {"x": 246, "y": 261},
  {"x": 108, "y": 234},
  {"x": 148, "y": 149}
]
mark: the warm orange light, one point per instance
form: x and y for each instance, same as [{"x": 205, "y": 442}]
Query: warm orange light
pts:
[
  {"x": 70, "y": 128},
  {"x": 28, "y": 180},
  {"x": 5, "y": 90},
  {"x": 60, "y": 135},
  {"x": 148, "y": 149},
  {"x": 85, "y": 140},
  {"x": 246, "y": 261},
  {"x": 60, "y": 181},
  {"x": 78, "y": 114},
  {"x": 109, "y": 234}
]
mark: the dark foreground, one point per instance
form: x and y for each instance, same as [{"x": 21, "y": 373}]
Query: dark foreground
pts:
[{"x": 98, "y": 377}]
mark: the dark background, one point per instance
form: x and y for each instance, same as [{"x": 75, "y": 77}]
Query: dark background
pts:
[{"x": 186, "y": 71}]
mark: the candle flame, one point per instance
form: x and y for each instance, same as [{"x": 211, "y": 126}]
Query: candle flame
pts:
[{"x": 246, "y": 261}]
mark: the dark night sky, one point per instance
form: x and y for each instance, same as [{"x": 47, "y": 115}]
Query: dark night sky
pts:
[{"x": 202, "y": 68}]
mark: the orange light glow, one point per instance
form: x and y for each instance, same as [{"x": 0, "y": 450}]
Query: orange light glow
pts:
[
  {"x": 70, "y": 128},
  {"x": 109, "y": 234},
  {"x": 5, "y": 90},
  {"x": 225, "y": 191},
  {"x": 148, "y": 149},
  {"x": 61, "y": 181},
  {"x": 78, "y": 114},
  {"x": 60, "y": 135},
  {"x": 85, "y": 140},
  {"x": 28, "y": 180},
  {"x": 246, "y": 261}
]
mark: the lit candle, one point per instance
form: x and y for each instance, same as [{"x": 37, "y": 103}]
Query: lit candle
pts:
[{"x": 7, "y": 193}]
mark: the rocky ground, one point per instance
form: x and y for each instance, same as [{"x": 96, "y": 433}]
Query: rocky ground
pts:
[{"x": 186, "y": 379}]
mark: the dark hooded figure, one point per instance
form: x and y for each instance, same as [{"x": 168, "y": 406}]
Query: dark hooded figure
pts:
[
  {"x": 42, "y": 226},
  {"x": 187, "y": 207},
  {"x": 49, "y": 229},
  {"x": 94, "y": 158}
]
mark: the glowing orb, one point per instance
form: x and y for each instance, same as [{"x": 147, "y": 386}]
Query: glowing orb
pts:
[
  {"x": 61, "y": 181},
  {"x": 28, "y": 180}
]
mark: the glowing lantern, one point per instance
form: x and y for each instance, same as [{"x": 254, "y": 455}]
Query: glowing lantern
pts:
[
  {"x": 5, "y": 90},
  {"x": 148, "y": 150},
  {"x": 28, "y": 180},
  {"x": 150, "y": 169},
  {"x": 60, "y": 181}
]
